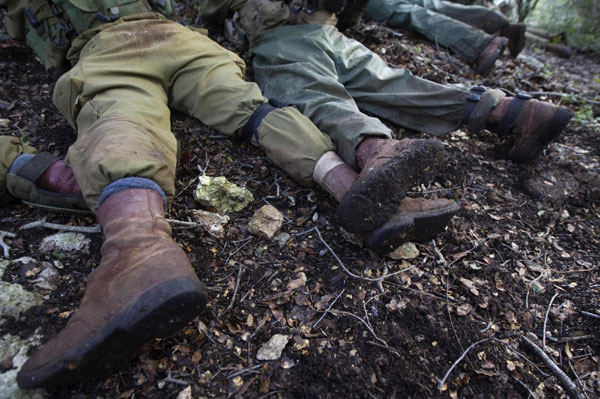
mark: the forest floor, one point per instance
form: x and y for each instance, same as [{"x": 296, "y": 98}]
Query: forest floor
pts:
[{"x": 521, "y": 259}]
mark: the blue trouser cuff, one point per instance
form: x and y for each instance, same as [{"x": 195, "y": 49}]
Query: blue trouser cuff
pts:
[
  {"x": 19, "y": 162},
  {"x": 128, "y": 183}
]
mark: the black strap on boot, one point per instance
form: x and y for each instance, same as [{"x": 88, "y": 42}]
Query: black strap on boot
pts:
[
  {"x": 36, "y": 167},
  {"x": 251, "y": 128},
  {"x": 512, "y": 112},
  {"x": 472, "y": 99}
]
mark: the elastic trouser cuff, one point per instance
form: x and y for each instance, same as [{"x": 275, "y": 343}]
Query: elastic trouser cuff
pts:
[
  {"x": 479, "y": 104},
  {"x": 19, "y": 162},
  {"x": 128, "y": 183}
]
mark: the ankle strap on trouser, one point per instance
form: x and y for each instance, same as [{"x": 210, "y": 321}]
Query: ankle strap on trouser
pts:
[{"x": 250, "y": 130}]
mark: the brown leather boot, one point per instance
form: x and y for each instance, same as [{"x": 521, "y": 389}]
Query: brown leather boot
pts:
[
  {"x": 489, "y": 55},
  {"x": 516, "y": 37},
  {"x": 388, "y": 169},
  {"x": 416, "y": 219},
  {"x": 47, "y": 182},
  {"x": 534, "y": 124},
  {"x": 144, "y": 287}
]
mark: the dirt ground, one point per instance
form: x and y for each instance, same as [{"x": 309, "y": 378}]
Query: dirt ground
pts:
[{"x": 521, "y": 258}]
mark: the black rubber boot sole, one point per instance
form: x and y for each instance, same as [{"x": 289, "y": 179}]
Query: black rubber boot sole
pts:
[
  {"x": 550, "y": 130},
  {"x": 415, "y": 227},
  {"x": 373, "y": 200},
  {"x": 157, "y": 313}
]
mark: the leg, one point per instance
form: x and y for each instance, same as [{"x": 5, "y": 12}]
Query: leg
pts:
[
  {"x": 478, "y": 16},
  {"x": 10, "y": 149},
  {"x": 465, "y": 40},
  {"x": 283, "y": 71},
  {"x": 211, "y": 87},
  {"x": 395, "y": 94}
]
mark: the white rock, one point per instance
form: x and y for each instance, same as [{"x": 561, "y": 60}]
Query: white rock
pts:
[
  {"x": 266, "y": 222},
  {"x": 282, "y": 238},
  {"x": 222, "y": 194},
  {"x": 14, "y": 299},
  {"x": 212, "y": 222},
  {"x": 408, "y": 250},
  {"x": 66, "y": 242},
  {"x": 271, "y": 350},
  {"x": 15, "y": 348},
  {"x": 4, "y": 122}
]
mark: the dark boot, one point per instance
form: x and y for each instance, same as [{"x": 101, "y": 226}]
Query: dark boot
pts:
[
  {"x": 516, "y": 37},
  {"x": 489, "y": 55},
  {"x": 388, "y": 169},
  {"x": 559, "y": 49},
  {"x": 144, "y": 287},
  {"x": 533, "y": 123},
  {"x": 47, "y": 182},
  {"x": 416, "y": 219}
]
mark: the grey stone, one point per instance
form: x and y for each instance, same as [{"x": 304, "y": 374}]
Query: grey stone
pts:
[
  {"x": 66, "y": 242},
  {"x": 271, "y": 350},
  {"x": 16, "y": 349}
]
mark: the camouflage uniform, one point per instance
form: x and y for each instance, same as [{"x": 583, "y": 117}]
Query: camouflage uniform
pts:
[
  {"x": 333, "y": 79},
  {"x": 127, "y": 74},
  {"x": 466, "y": 30}
]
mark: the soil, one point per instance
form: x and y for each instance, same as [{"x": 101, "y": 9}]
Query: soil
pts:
[{"x": 521, "y": 258}]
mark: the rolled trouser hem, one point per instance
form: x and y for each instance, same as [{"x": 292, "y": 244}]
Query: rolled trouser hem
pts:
[
  {"x": 489, "y": 99},
  {"x": 129, "y": 183}
]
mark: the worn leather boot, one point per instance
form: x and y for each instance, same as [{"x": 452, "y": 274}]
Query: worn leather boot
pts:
[
  {"x": 416, "y": 220},
  {"x": 388, "y": 169},
  {"x": 489, "y": 55},
  {"x": 144, "y": 287},
  {"x": 533, "y": 123},
  {"x": 516, "y": 37},
  {"x": 46, "y": 182}
]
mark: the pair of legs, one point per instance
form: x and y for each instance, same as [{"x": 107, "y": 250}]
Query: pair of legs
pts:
[{"x": 466, "y": 30}]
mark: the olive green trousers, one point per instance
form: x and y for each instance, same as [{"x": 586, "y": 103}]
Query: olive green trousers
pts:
[
  {"x": 466, "y": 30},
  {"x": 131, "y": 72},
  {"x": 10, "y": 149},
  {"x": 336, "y": 82}
]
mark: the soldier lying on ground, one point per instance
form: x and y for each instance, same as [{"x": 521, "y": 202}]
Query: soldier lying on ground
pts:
[
  {"x": 130, "y": 66},
  {"x": 301, "y": 58},
  {"x": 475, "y": 33}
]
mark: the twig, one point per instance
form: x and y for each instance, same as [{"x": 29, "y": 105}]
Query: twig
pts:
[
  {"x": 570, "y": 339},
  {"x": 443, "y": 380},
  {"x": 249, "y": 370},
  {"x": 578, "y": 379},
  {"x": 5, "y": 247},
  {"x": 438, "y": 253},
  {"x": 546, "y": 321},
  {"x": 174, "y": 380},
  {"x": 76, "y": 229},
  {"x": 329, "y": 308},
  {"x": 348, "y": 271},
  {"x": 594, "y": 315},
  {"x": 343, "y": 312},
  {"x": 237, "y": 285},
  {"x": 521, "y": 383},
  {"x": 558, "y": 373}
]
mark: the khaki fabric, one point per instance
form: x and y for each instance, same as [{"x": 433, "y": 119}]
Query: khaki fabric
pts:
[
  {"x": 256, "y": 16},
  {"x": 10, "y": 149},
  {"x": 118, "y": 96},
  {"x": 14, "y": 18},
  {"x": 334, "y": 80},
  {"x": 466, "y": 30}
]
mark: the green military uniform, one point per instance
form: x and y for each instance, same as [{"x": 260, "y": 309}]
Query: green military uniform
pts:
[
  {"x": 332, "y": 79},
  {"x": 10, "y": 149},
  {"x": 126, "y": 76},
  {"x": 464, "y": 29}
]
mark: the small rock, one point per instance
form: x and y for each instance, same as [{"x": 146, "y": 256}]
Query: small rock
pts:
[
  {"x": 408, "y": 251},
  {"x": 212, "y": 222},
  {"x": 66, "y": 242},
  {"x": 4, "y": 122},
  {"x": 16, "y": 349},
  {"x": 271, "y": 350},
  {"x": 186, "y": 393},
  {"x": 282, "y": 238},
  {"x": 221, "y": 194},
  {"x": 14, "y": 299},
  {"x": 47, "y": 278},
  {"x": 266, "y": 222}
]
